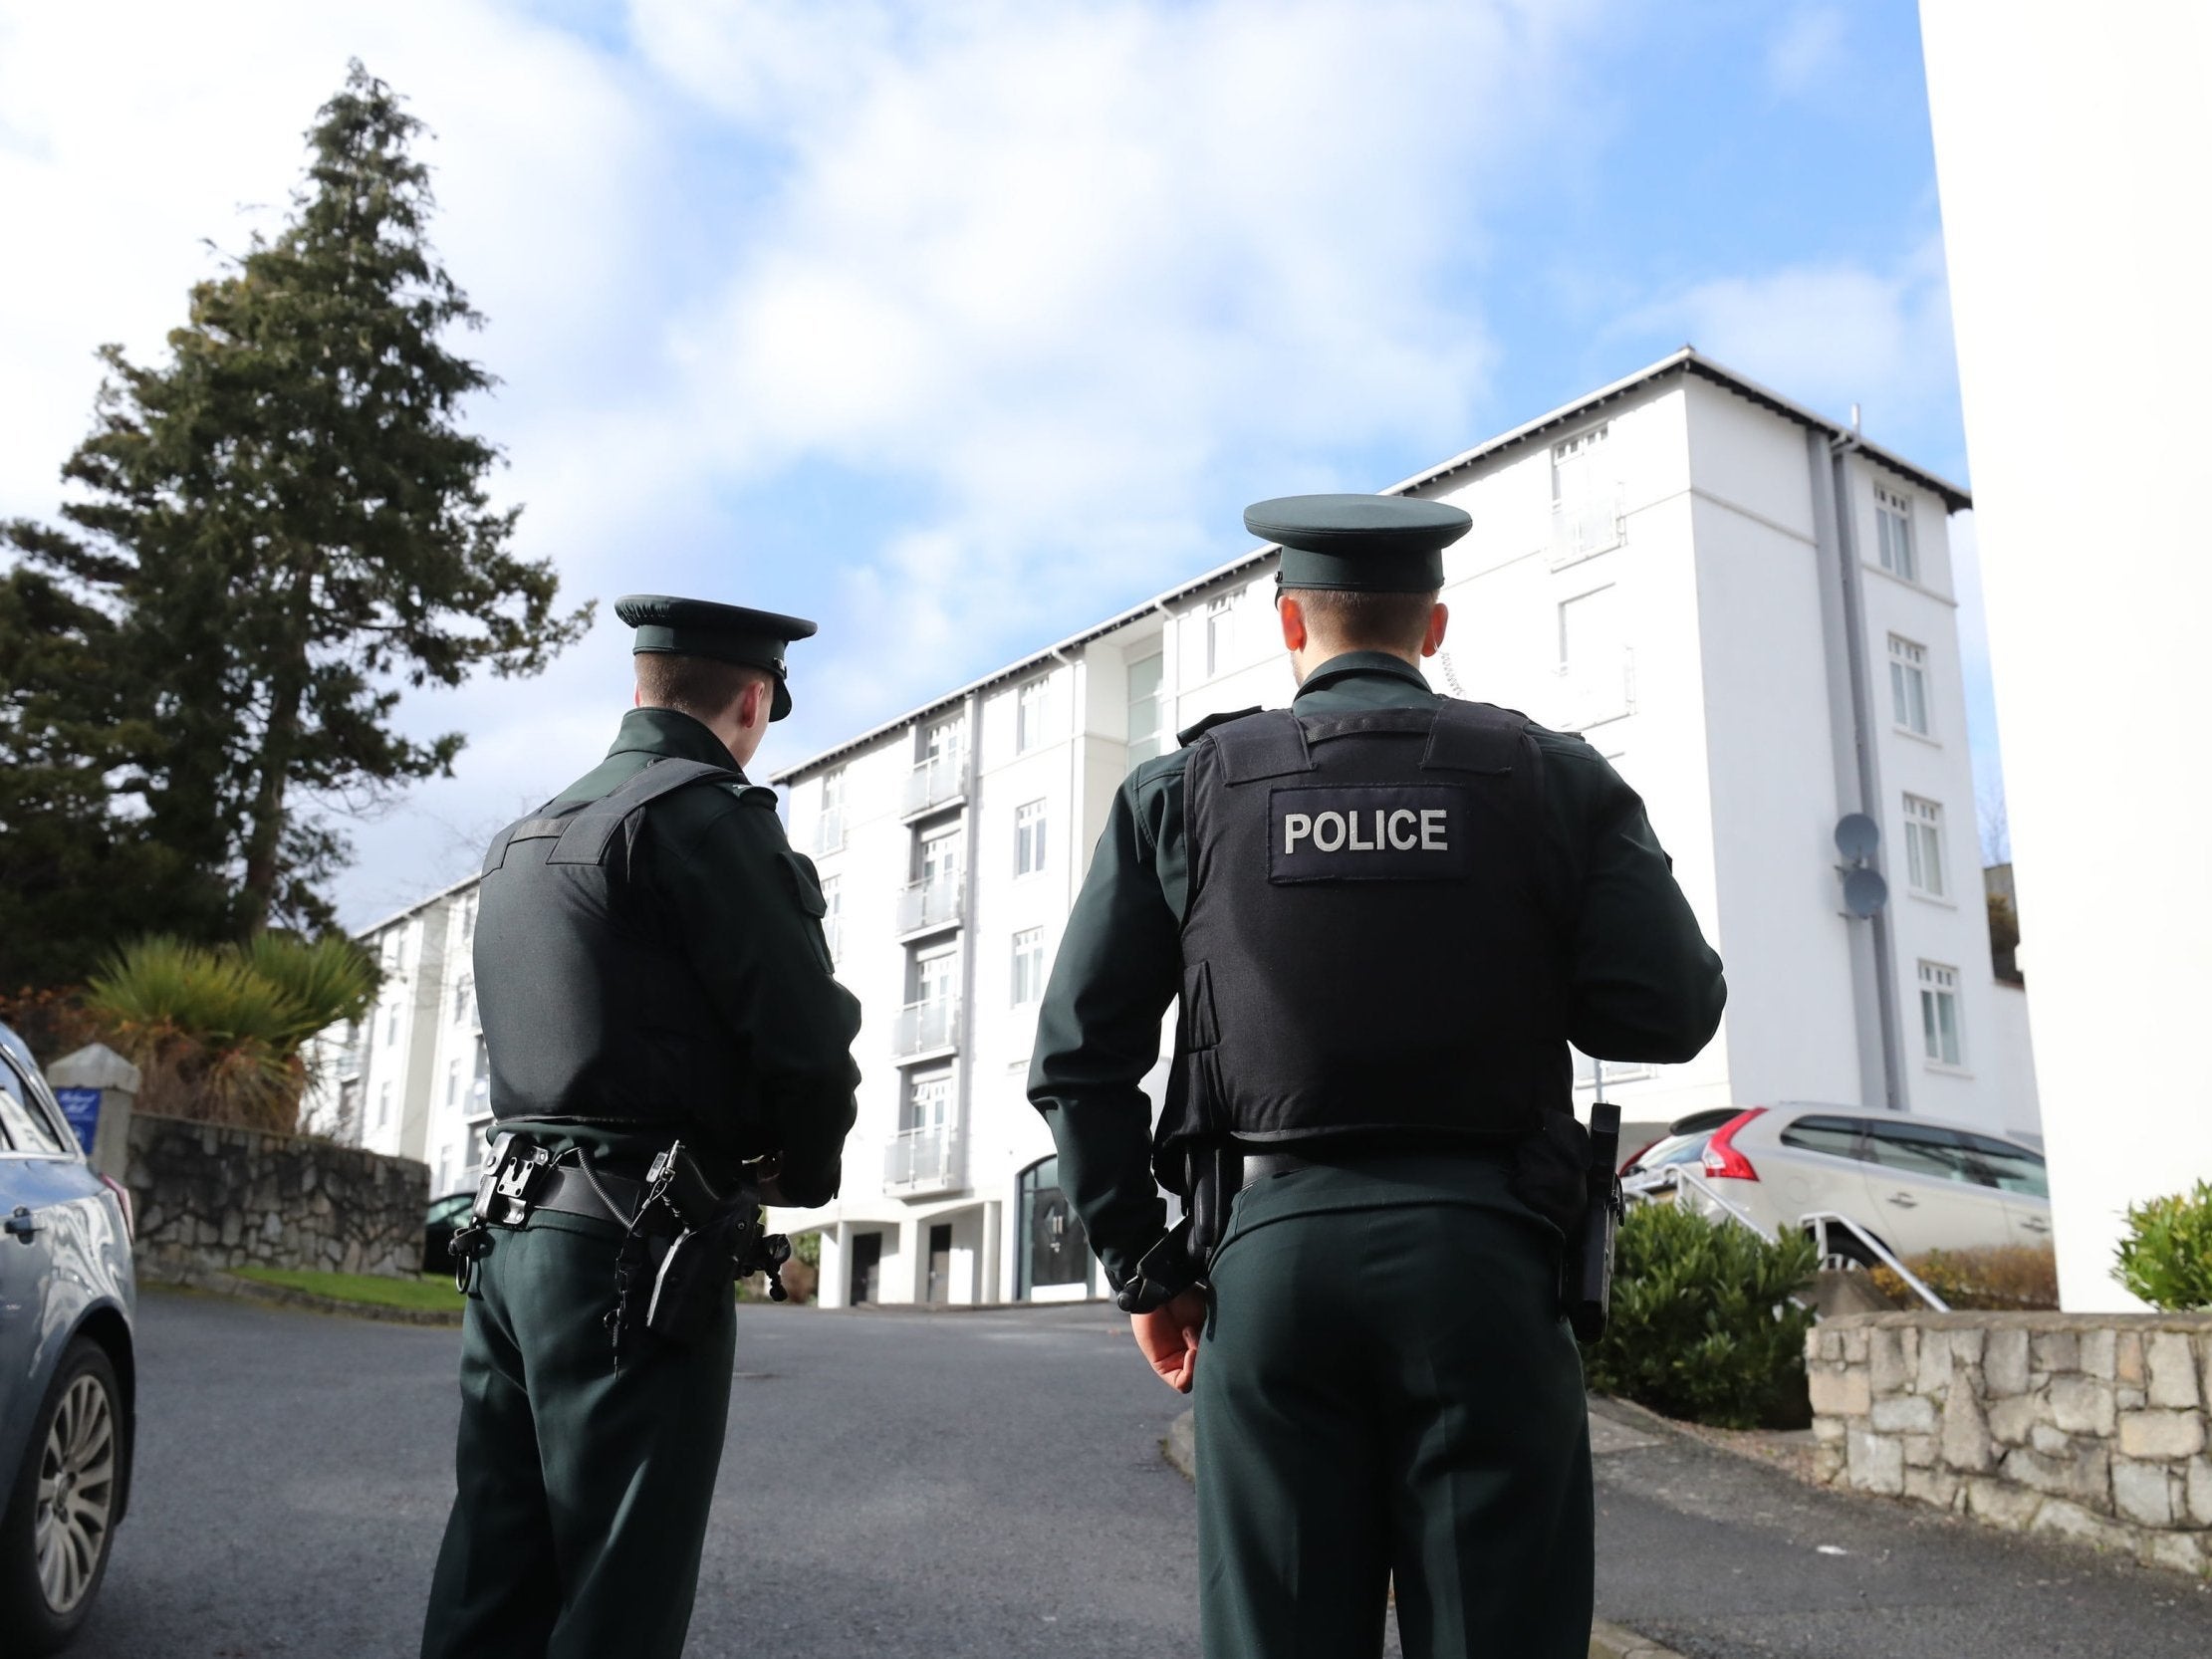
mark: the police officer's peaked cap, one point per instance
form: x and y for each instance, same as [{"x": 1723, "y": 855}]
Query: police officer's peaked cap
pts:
[
  {"x": 725, "y": 632},
  {"x": 1376, "y": 544}
]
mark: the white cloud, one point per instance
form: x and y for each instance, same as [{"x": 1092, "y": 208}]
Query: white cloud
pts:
[
  {"x": 1832, "y": 334},
  {"x": 1051, "y": 283}
]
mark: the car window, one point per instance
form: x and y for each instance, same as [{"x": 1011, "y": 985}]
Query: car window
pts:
[
  {"x": 449, "y": 1208},
  {"x": 1836, "y": 1137},
  {"x": 2014, "y": 1168},
  {"x": 1671, "y": 1149},
  {"x": 1919, "y": 1149},
  {"x": 22, "y": 1124}
]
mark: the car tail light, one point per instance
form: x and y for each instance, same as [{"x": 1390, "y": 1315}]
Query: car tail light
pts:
[
  {"x": 122, "y": 1197},
  {"x": 1630, "y": 1162},
  {"x": 1722, "y": 1161}
]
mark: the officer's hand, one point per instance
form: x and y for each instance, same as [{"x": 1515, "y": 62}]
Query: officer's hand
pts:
[{"x": 1169, "y": 1337}]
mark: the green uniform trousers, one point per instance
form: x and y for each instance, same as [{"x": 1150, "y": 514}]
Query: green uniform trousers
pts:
[
  {"x": 583, "y": 1496},
  {"x": 1386, "y": 1389}
]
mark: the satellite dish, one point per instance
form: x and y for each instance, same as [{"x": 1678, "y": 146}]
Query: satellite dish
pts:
[
  {"x": 1856, "y": 837},
  {"x": 1865, "y": 892}
]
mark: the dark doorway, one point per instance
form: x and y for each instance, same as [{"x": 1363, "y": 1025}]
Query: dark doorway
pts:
[
  {"x": 1054, "y": 1249},
  {"x": 940, "y": 1262},
  {"x": 868, "y": 1266}
]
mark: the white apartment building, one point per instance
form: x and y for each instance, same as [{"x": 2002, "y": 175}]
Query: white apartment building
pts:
[{"x": 1748, "y": 609}]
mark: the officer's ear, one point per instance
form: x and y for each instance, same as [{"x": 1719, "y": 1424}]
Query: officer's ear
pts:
[
  {"x": 1438, "y": 617},
  {"x": 1293, "y": 616},
  {"x": 753, "y": 704}
]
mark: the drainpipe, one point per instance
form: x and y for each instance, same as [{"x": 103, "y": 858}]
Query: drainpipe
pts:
[
  {"x": 963, "y": 1065},
  {"x": 1843, "y": 618}
]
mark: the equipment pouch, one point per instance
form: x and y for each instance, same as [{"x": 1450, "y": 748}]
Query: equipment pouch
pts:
[
  {"x": 695, "y": 1276},
  {"x": 1550, "y": 1171}
]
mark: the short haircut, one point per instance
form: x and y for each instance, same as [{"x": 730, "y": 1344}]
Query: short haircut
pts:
[
  {"x": 1357, "y": 621},
  {"x": 704, "y": 687}
]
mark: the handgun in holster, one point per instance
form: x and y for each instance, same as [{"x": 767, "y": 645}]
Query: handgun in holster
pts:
[
  {"x": 1588, "y": 1270},
  {"x": 722, "y": 1237}
]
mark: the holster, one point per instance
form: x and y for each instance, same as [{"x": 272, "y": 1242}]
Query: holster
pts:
[
  {"x": 1586, "y": 1273},
  {"x": 674, "y": 1294}
]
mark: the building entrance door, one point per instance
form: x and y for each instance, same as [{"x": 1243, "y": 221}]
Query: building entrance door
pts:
[
  {"x": 867, "y": 1268},
  {"x": 940, "y": 1262},
  {"x": 1054, "y": 1251}
]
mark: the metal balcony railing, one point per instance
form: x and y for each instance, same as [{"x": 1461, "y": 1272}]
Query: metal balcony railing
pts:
[
  {"x": 935, "y": 780},
  {"x": 1582, "y": 528},
  {"x": 930, "y": 903},
  {"x": 925, "y": 1025},
  {"x": 922, "y": 1160},
  {"x": 829, "y": 832}
]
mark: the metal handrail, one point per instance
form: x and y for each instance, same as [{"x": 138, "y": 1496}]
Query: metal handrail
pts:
[{"x": 1820, "y": 1220}]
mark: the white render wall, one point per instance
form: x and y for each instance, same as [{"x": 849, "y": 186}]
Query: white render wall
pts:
[{"x": 2070, "y": 159}]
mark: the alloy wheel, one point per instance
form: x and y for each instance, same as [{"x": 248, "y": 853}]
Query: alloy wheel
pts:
[{"x": 75, "y": 1494}]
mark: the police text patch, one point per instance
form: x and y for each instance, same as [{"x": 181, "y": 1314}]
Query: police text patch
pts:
[{"x": 1371, "y": 833}]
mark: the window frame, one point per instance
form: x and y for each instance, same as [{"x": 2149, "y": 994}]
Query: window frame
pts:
[
  {"x": 1026, "y": 974},
  {"x": 1908, "y": 664},
  {"x": 1923, "y": 840},
  {"x": 1221, "y": 616},
  {"x": 1896, "y": 549},
  {"x": 1032, "y": 700},
  {"x": 1032, "y": 820},
  {"x": 1939, "y": 981}
]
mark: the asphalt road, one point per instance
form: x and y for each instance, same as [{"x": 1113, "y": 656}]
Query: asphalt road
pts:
[{"x": 965, "y": 1484}]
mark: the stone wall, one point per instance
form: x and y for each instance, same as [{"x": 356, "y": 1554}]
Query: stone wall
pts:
[
  {"x": 2086, "y": 1426},
  {"x": 209, "y": 1197}
]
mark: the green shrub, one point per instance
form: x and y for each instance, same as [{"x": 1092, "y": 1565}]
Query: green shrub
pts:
[
  {"x": 1702, "y": 1323},
  {"x": 217, "y": 1033},
  {"x": 2017, "y": 1278},
  {"x": 2166, "y": 1257}
]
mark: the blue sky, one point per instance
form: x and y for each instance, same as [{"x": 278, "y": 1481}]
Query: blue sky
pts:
[{"x": 960, "y": 326}]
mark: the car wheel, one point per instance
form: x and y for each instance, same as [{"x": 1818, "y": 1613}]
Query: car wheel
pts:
[
  {"x": 1847, "y": 1253},
  {"x": 59, "y": 1519}
]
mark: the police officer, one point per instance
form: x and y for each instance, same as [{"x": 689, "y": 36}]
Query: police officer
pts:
[
  {"x": 1387, "y": 914},
  {"x": 650, "y": 967}
]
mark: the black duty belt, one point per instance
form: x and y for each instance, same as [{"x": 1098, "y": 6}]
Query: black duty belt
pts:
[
  {"x": 1258, "y": 1166},
  {"x": 567, "y": 1191}
]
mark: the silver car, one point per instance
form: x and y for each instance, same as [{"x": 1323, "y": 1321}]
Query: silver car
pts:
[
  {"x": 1914, "y": 1184},
  {"x": 67, "y": 1368}
]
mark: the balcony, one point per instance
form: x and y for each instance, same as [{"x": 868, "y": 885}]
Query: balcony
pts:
[
  {"x": 1604, "y": 690},
  {"x": 919, "y": 1161},
  {"x": 829, "y": 832},
  {"x": 927, "y": 905},
  {"x": 926, "y": 1028},
  {"x": 937, "y": 782}
]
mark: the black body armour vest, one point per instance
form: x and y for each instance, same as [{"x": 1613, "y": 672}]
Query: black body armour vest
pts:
[
  {"x": 1367, "y": 948},
  {"x": 589, "y": 1010}
]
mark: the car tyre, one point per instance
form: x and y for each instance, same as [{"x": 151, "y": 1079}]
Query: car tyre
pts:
[
  {"x": 1846, "y": 1253},
  {"x": 59, "y": 1526}
]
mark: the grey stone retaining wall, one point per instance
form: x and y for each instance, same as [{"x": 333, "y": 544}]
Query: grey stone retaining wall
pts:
[
  {"x": 209, "y": 1197},
  {"x": 2089, "y": 1426}
]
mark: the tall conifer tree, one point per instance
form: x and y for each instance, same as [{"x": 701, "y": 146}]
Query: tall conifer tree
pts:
[{"x": 287, "y": 524}]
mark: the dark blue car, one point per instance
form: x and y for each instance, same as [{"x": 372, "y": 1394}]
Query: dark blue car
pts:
[{"x": 67, "y": 1374}]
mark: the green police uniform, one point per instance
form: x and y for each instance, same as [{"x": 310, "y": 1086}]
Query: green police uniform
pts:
[
  {"x": 584, "y": 1490},
  {"x": 1386, "y": 1385}
]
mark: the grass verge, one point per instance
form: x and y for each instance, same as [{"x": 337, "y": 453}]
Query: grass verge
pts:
[{"x": 434, "y": 1293}]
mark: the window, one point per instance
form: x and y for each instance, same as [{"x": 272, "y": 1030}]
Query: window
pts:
[
  {"x": 480, "y": 1084},
  {"x": 392, "y": 1024},
  {"x": 24, "y": 1123},
  {"x": 453, "y": 1083},
  {"x": 833, "y": 915},
  {"x": 1835, "y": 1137},
  {"x": 1144, "y": 709},
  {"x": 2013, "y": 1168},
  {"x": 1908, "y": 685},
  {"x": 1585, "y": 496},
  {"x": 1893, "y": 534},
  {"x": 1925, "y": 846},
  {"x": 1029, "y": 965},
  {"x": 1593, "y": 660},
  {"x": 468, "y": 919},
  {"x": 1939, "y": 1014},
  {"x": 464, "y": 1000},
  {"x": 940, "y": 741},
  {"x": 1029, "y": 837},
  {"x": 829, "y": 830},
  {"x": 1921, "y": 1150},
  {"x": 929, "y": 1104},
  {"x": 1221, "y": 622},
  {"x": 383, "y": 1105},
  {"x": 1032, "y": 709}
]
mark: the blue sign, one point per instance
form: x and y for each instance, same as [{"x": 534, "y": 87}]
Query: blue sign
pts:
[{"x": 81, "y": 1107}]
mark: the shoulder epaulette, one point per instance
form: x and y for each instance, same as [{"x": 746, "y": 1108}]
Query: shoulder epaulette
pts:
[{"x": 1191, "y": 734}]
